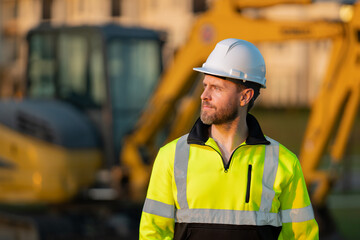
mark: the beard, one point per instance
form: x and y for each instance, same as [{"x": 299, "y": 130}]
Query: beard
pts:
[{"x": 219, "y": 115}]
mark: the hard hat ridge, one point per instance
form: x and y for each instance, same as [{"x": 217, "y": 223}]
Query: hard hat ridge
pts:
[
  {"x": 237, "y": 59},
  {"x": 235, "y": 43}
]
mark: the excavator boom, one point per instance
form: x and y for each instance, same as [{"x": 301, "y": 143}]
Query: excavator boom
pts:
[{"x": 338, "y": 100}]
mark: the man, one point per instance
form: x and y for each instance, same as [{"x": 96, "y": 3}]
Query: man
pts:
[{"x": 225, "y": 179}]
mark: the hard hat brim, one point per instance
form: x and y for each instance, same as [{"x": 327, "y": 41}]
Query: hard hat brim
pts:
[{"x": 222, "y": 74}]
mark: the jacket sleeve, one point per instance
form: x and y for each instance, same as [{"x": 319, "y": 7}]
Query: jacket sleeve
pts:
[
  {"x": 157, "y": 219},
  {"x": 296, "y": 210}
]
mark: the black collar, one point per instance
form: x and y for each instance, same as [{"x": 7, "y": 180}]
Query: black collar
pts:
[{"x": 199, "y": 134}]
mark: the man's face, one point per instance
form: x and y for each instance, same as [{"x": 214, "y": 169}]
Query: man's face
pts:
[{"x": 219, "y": 101}]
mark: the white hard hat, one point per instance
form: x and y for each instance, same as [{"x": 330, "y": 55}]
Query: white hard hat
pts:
[{"x": 237, "y": 59}]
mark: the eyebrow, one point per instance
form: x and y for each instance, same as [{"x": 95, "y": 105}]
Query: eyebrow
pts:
[{"x": 213, "y": 85}]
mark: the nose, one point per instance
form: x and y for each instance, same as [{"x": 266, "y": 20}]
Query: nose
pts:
[{"x": 205, "y": 95}]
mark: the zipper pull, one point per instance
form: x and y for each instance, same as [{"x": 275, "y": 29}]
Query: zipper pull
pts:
[{"x": 225, "y": 170}]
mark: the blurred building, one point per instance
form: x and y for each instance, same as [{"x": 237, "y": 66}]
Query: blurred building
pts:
[
  {"x": 18, "y": 16},
  {"x": 295, "y": 68}
]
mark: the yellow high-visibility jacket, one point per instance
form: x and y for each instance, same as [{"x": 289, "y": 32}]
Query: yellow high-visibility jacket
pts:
[{"x": 259, "y": 194}]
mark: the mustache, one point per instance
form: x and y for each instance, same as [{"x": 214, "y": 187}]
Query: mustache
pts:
[{"x": 207, "y": 104}]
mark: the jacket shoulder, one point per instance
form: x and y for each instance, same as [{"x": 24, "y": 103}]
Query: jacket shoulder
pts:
[
  {"x": 288, "y": 161},
  {"x": 168, "y": 149},
  {"x": 284, "y": 153}
]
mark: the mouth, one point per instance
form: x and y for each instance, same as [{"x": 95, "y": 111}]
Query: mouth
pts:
[{"x": 206, "y": 106}]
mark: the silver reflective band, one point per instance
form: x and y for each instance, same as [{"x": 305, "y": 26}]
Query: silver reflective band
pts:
[
  {"x": 159, "y": 208},
  {"x": 297, "y": 214},
  {"x": 271, "y": 163},
  {"x": 235, "y": 217},
  {"x": 180, "y": 170}
]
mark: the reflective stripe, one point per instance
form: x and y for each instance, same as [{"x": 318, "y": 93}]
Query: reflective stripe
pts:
[
  {"x": 159, "y": 208},
  {"x": 297, "y": 214},
  {"x": 220, "y": 216},
  {"x": 180, "y": 170},
  {"x": 271, "y": 163}
]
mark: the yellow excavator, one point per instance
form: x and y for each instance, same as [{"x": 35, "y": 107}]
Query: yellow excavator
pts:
[
  {"x": 97, "y": 80},
  {"x": 85, "y": 88}
]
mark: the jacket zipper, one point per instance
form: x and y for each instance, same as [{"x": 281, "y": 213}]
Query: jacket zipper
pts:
[
  {"x": 226, "y": 166},
  {"x": 247, "y": 197},
  {"x": 222, "y": 159}
]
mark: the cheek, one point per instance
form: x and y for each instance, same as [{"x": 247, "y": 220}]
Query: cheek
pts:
[
  {"x": 217, "y": 99},
  {"x": 225, "y": 99},
  {"x": 234, "y": 101},
  {"x": 226, "y": 102},
  {"x": 220, "y": 96}
]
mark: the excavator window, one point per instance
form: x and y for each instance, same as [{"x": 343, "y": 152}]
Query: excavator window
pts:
[
  {"x": 134, "y": 67},
  {"x": 41, "y": 70},
  {"x": 115, "y": 69},
  {"x": 67, "y": 66},
  {"x": 72, "y": 66},
  {"x": 81, "y": 73}
]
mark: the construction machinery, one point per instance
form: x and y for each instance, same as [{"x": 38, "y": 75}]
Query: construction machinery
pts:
[
  {"x": 86, "y": 87},
  {"x": 97, "y": 81}
]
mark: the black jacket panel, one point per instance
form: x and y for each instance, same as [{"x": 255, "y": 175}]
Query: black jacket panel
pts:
[{"x": 203, "y": 231}]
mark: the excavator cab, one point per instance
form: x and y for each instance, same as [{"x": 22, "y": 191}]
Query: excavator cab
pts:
[
  {"x": 85, "y": 89},
  {"x": 108, "y": 72}
]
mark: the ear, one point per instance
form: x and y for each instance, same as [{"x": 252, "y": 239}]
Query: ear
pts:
[{"x": 245, "y": 96}]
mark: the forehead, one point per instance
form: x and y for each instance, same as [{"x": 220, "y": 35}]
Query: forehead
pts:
[{"x": 214, "y": 80}]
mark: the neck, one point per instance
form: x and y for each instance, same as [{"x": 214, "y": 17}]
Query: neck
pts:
[{"x": 230, "y": 135}]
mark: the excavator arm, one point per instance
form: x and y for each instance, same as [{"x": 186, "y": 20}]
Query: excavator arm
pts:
[
  {"x": 337, "y": 101},
  {"x": 224, "y": 21}
]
